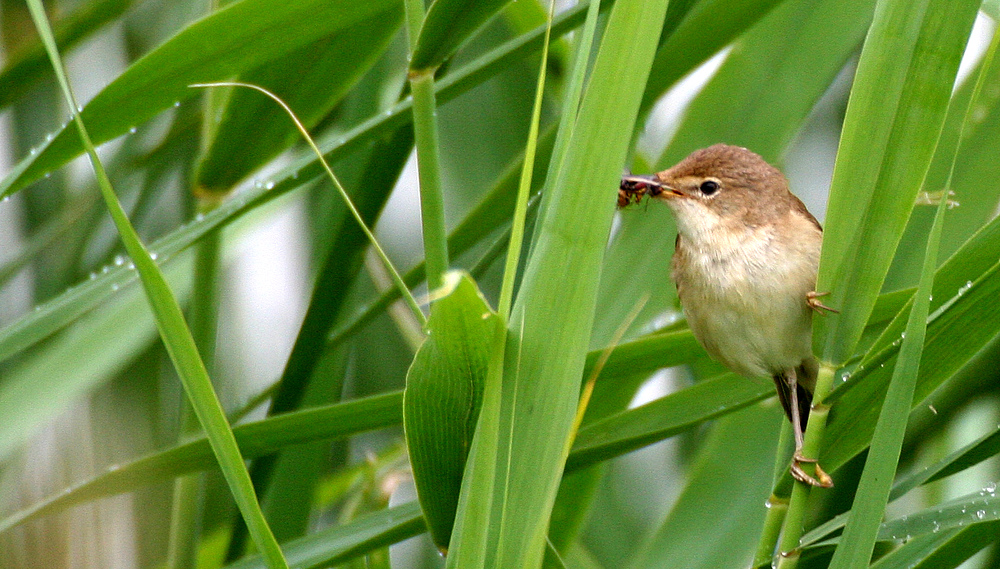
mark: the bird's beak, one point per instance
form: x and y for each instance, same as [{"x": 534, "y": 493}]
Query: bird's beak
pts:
[
  {"x": 657, "y": 187},
  {"x": 648, "y": 184}
]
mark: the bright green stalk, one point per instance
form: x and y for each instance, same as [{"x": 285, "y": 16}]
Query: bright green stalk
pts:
[
  {"x": 425, "y": 133},
  {"x": 794, "y": 519},
  {"x": 426, "y": 141},
  {"x": 187, "y": 500},
  {"x": 176, "y": 336},
  {"x": 777, "y": 503},
  {"x": 185, "y": 511}
]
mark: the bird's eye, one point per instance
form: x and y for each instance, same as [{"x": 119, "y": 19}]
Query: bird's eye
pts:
[{"x": 709, "y": 187}]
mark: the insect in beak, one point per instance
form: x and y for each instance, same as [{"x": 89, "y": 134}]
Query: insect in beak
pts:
[{"x": 633, "y": 188}]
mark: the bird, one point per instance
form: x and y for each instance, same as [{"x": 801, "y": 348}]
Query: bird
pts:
[{"x": 745, "y": 262}]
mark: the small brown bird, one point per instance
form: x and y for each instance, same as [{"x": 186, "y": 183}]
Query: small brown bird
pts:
[{"x": 745, "y": 267}]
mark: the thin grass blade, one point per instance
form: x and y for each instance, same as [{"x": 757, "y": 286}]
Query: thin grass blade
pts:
[{"x": 173, "y": 329}]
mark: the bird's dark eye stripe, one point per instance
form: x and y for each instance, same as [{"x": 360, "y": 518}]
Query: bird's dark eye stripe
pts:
[{"x": 709, "y": 187}]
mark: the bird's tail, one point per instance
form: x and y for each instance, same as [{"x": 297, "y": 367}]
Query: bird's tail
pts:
[{"x": 805, "y": 381}]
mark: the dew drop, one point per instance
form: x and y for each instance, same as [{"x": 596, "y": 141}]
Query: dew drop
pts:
[
  {"x": 177, "y": 103},
  {"x": 269, "y": 186},
  {"x": 199, "y": 217},
  {"x": 119, "y": 260},
  {"x": 152, "y": 256},
  {"x": 92, "y": 276},
  {"x": 114, "y": 287},
  {"x": 980, "y": 514},
  {"x": 132, "y": 130}
]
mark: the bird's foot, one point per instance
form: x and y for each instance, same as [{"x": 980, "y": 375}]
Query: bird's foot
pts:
[
  {"x": 822, "y": 479},
  {"x": 812, "y": 299}
]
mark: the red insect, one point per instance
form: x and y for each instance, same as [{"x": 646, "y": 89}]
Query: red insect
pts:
[{"x": 633, "y": 188}]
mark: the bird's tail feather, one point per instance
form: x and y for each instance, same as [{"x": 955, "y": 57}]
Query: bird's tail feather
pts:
[{"x": 804, "y": 395}]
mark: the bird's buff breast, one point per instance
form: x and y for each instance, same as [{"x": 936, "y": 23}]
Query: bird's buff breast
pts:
[{"x": 746, "y": 302}]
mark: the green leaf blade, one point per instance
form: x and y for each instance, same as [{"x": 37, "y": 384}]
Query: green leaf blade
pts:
[
  {"x": 237, "y": 38},
  {"x": 895, "y": 116},
  {"x": 442, "y": 399}
]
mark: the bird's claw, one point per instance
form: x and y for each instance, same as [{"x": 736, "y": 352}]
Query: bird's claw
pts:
[
  {"x": 822, "y": 479},
  {"x": 812, "y": 299}
]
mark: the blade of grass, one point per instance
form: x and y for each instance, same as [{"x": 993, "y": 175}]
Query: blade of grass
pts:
[
  {"x": 241, "y": 36},
  {"x": 186, "y": 504},
  {"x": 688, "y": 45},
  {"x": 771, "y": 80},
  {"x": 468, "y": 541},
  {"x": 396, "y": 278},
  {"x": 874, "y": 489},
  {"x": 632, "y": 429},
  {"x": 945, "y": 549},
  {"x": 255, "y": 439},
  {"x": 250, "y": 131},
  {"x": 26, "y": 66},
  {"x": 329, "y": 297},
  {"x": 447, "y": 25},
  {"x": 880, "y": 467},
  {"x": 340, "y": 543},
  {"x": 552, "y": 317},
  {"x": 173, "y": 329},
  {"x": 78, "y": 359},
  {"x": 571, "y": 101},
  {"x": 970, "y": 455},
  {"x": 737, "y": 451},
  {"x": 894, "y": 118}
]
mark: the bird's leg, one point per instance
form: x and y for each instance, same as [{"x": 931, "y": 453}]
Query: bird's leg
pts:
[
  {"x": 812, "y": 299},
  {"x": 822, "y": 479}
]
